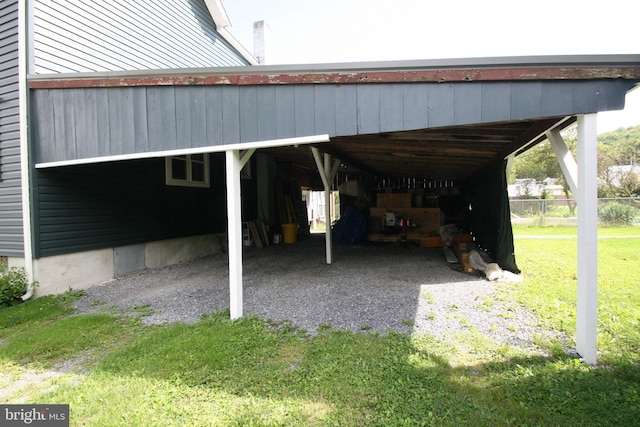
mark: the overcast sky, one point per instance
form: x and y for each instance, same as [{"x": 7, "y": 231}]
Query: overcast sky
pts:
[{"x": 304, "y": 32}]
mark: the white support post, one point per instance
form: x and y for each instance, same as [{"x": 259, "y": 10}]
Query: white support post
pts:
[
  {"x": 236, "y": 159},
  {"x": 587, "y": 200},
  {"x": 327, "y": 219},
  {"x": 565, "y": 159},
  {"x": 327, "y": 171},
  {"x": 234, "y": 218},
  {"x": 327, "y": 208}
]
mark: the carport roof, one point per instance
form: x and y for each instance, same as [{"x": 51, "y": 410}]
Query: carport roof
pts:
[{"x": 429, "y": 119}]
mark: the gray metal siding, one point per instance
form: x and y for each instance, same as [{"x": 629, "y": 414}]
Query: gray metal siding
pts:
[
  {"x": 11, "y": 240},
  {"x": 111, "y": 35},
  {"x": 80, "y": 123},
  {"x": 118, "y": 204}
]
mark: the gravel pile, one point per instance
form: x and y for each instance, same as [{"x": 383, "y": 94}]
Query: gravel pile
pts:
[{"x": 367, "y": 288}]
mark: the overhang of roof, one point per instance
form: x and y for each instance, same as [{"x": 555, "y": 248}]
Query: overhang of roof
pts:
[
  {"x": 436, "y": 154},
  {"x": 434, "y": 120}
]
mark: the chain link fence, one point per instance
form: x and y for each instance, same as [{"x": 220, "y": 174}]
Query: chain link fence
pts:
[{"x": 560, "y": 211}]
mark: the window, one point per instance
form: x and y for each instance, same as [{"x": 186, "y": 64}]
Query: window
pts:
[{"x": 189, "y": 170}]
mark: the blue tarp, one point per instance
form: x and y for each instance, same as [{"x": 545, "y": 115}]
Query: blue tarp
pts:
[{"x": 351, "y": 228}]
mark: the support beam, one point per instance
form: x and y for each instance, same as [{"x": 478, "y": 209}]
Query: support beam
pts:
[
  {"x": 327, "y": 171},
  {"x": 587, "y": 199},
  {"x": 234, "y": 218},
  {"x": 245, "y": 156},
  {"x": 565, "y": 159},
  {"x": 241, "y": 146}
]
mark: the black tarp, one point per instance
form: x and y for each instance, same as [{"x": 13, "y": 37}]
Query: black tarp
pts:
[{"x": 491, "y": 217}]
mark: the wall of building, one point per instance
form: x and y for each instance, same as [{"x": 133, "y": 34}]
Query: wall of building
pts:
[
  {"x": 108, "y": 205},
  {"x": 11, "y": 241},
  {"x": 89, "y": 35}
]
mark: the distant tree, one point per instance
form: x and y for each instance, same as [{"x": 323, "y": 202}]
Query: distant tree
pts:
[
  {"x": 540, "y": 162},
  {"x": 622, "y": 145},
  {"x": 525, "y": 189},
  {"x": 618, "y": 148}
]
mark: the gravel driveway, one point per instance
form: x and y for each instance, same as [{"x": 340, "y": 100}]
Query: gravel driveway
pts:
[{"x": 377, "y": 287}]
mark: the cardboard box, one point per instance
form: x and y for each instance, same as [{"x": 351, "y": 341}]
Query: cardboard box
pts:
[
  {"x": 428, "y": 220},
  {"x": 463, "y": 238},
  {"x": 431, "y": 242},
  {"x": 393, "y": 201}
]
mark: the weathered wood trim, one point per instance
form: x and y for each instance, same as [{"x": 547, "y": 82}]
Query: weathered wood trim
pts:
[{"x": 439, "y": 76}]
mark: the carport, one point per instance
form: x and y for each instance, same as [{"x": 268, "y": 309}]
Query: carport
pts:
[{"x": 447, "y": 121}]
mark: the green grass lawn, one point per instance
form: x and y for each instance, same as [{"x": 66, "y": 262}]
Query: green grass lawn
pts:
[
  {"x": 115, "y": 371},
  {"x": 569, "y": 230}
]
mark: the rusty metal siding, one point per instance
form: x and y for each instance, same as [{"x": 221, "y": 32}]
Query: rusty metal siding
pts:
[
  {"x": 11, "y": 239},
  {"x": 72, "y": 124},
  {"x": 87, "y": 35}
]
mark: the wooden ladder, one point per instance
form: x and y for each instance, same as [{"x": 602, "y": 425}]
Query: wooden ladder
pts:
[{"x": 290, "y": 213}]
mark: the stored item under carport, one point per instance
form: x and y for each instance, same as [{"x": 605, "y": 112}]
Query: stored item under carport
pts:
[{"x": 290, "y": 233}]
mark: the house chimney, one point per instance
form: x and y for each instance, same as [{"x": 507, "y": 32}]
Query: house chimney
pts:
[{"x": 261, "y": 41}]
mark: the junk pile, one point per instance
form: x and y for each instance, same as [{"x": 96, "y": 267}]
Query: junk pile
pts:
[{"x": 471, "y": 258}]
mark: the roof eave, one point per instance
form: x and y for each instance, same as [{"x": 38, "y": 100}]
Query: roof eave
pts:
[
  {"x": 477, "y": 69},
  {"x": 221, "y": 19}
]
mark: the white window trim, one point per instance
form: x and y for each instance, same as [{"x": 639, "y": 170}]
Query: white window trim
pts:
[{"x": 189, "y": 182}]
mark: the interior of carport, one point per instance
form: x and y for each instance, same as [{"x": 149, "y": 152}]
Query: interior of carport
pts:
[
  {"x": 447, "y": 127},
  {"x": 453, "y": 169}
]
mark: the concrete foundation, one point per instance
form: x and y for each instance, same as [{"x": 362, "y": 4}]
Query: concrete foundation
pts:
[
  {"x": 170, "y": 252},
  {"x": 57, "y": 274}
]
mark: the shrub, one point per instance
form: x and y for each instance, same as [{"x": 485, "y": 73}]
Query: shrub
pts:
[
  {"x": 617, "y": 214},
  {"x": 13, "y": 284}
]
